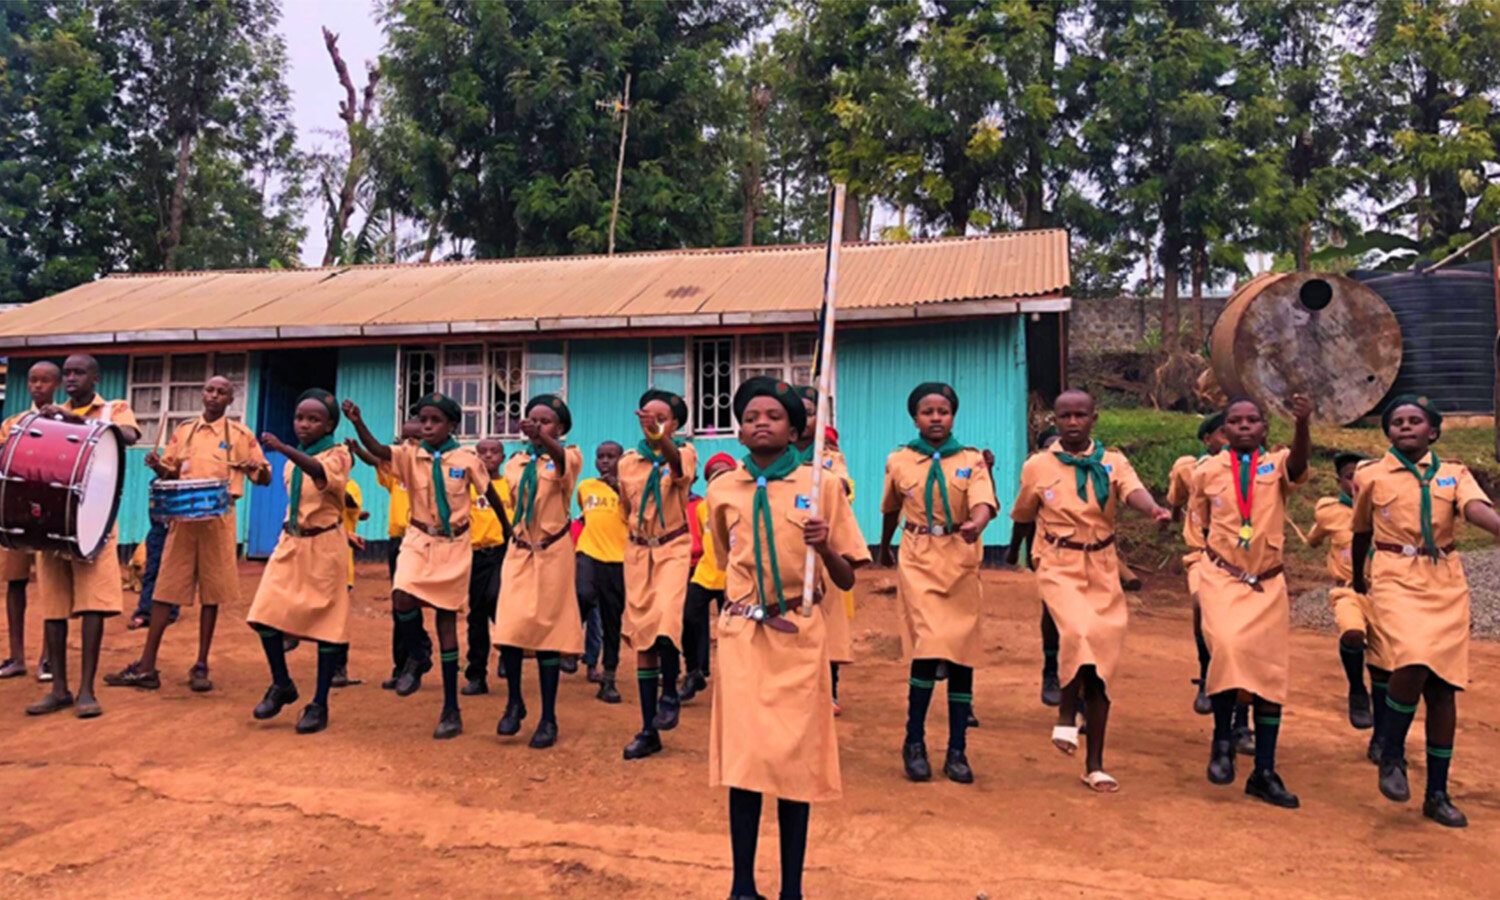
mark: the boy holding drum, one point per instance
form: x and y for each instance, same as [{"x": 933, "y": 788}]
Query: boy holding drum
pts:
[
  {"x": 199, "y": 559},
  {"x": 86, "y": 589},
  {"x": 42, "y": 381}
]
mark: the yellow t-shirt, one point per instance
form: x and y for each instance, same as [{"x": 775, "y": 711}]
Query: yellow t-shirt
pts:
[
  {"x": 483, "y": 523},
  {"x": 604, "y": 528},
  {"x": 400, "y": 502},
  {"x": 354, "y": 501},
  {"x": 707, "y": 575}
]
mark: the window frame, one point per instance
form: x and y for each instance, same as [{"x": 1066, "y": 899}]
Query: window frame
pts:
[
  {"x": 151, "y": 421},
  {"x": 487, "y": 386}
]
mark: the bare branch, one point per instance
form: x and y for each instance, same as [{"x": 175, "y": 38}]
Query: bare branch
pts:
[{"x": 346, "y": 108}]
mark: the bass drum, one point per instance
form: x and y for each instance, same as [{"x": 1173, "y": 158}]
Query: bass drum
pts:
[{"x": 60, "y": 486}]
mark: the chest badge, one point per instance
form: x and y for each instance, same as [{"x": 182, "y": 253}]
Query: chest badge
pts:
[
  {"x": 1048, "y": 496},
  {"x": 804, "y": 501}
]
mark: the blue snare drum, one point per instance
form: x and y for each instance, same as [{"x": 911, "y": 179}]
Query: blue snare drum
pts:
[{"x": 189, "y": 498}]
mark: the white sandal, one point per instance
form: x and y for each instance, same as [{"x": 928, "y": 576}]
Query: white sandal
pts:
[
  {"x": 1101, "y": 783},
  {"x": 1065, "y": 738}
]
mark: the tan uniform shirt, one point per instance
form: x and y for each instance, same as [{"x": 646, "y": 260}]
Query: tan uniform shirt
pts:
[{"x": 200, "y": 449}]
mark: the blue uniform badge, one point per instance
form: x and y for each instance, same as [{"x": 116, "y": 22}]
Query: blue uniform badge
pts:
[
  {"x": 1447, "y": 482},
  {"x": 550, "y": 467},
  {"x": 1266, "y": 469},
  {"x": 962, "y": 473},
  {"x": 455, "y": 473},
  {"x": 804, "y": 501},
  {"x": 828, "y": 463},
  {"x": 223, "y": 445},
  {"x": 1109, "y": 469}
]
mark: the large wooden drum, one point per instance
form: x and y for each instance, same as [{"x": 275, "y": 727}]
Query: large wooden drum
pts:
[{"x": 1322, "y": 335}]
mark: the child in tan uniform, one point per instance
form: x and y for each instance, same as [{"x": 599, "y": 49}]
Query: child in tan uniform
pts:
[
  {"x": 840, "y": 628},
  {"x": 945, "y": 493},
  {"x": 42, "y": 380},
  {"x": 772, "y": 726},
  {"x": 1407, "y": 506},
  {"x": 303, "y": 592}
]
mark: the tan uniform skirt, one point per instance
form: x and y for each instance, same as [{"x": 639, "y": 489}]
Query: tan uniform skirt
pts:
[
  {"x": 1248, "y": 633},
  {"x": 538, "y": 605},
  {"x": 1082, "y": 592},
  {"x": 435, "y": 570},
  {"x": 656, "y": 580},
  {"x": 1421, "y": 611},
  {"x": 939, "y": 592},
  {"x": 304, "y": 590},
  {"x": 771, "y": 727}
]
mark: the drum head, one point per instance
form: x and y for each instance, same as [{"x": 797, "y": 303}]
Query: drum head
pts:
[{"x": 101, "y": 493}]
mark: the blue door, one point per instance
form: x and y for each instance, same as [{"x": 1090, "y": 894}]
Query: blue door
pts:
[
  {"x": 286, "y": 374},
  {"x": 267, "y": 510}
]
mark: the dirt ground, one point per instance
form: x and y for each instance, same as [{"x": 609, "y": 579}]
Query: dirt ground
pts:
[{"x": 173, "y": 794}]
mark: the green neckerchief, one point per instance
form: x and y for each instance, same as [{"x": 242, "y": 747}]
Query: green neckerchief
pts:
[
  {"x": 526, "y": 490},
  {"x": 1089, "y": 468},
  {"x": 935, "y": 476},
  {"x": 1429, "y": 540},
  {"x": 760, "y": 515},
  {"x": 804, "y": 457},
  {"x": 1346, "y": 499},
  {"x": 653, "y": 482},
  {"x": 439, "y": 487},
  {"x": 294, "y": 494}
]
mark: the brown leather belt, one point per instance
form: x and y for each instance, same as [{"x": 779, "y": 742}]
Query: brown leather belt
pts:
[
  {"x": 935, "y": 531},
  {"x": 770, "y": 617},
  {"x": 545, "y": 542},
  {"x": 1254, "y": 581},
  {"x": 308, "y": 532},
  {"x": 1074, "y": 545},
  {"x": 1410, "y": 550},
  {"x": 438, "y": 532},
  {"x": 659, "y": 539}
]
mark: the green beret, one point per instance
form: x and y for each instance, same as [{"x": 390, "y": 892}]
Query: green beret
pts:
[
  {"x": 673, "y": 401},
  {"x": 1209, "y": 425},
  {"x": 558, "y": 407},
  {"x": 323, "y": 397},
  {"x": 928, "y": 388},
  {"x": 1434, "y": 415},
  {"x": 1046, "y": 434},
  {"x": 1346, "y": 457},
  {"x": 780, "y": 391},
  {"x": 808, "y": 392},
  {"x": 443, "y": 404}
]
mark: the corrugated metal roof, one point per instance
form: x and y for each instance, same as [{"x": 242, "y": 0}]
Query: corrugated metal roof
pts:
[{"x": 686, "y": 287}]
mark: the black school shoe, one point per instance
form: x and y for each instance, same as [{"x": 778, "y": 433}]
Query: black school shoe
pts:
[
  {"x": 510, "y": 723},
  {"x": 1374, "y": 752},
  {"x": 668, "y": 711},
  {"x": 475, "y": 686},
  {"x": 1244, "y": 741},
  {"x": 1266, "y": 785},
  {"x": 390, "y": 683},
  {"x": 450, "y": 725},
  {"x": 692, "y": 684},
  {"x": 1051, "y": 690},
  {"x": 645, "y": 744},
  {"x": 546, "y": 736},
  {"x": 1221, "y": 763},
  {"x": 410, "y": 679},
  {"x": 1360, "y": 715},
  {"x": 314, "y": 719},
  {"x": 1440, "y": 809},
  {"x": 1393, "y": 783},
  {"x": 276, "y": 697},
  {"x": 914, "y": 758},
  {"x": 607, "y": 690},
  {"x": 1201, "y": 704},
  {"x": 956, "y": 767}
]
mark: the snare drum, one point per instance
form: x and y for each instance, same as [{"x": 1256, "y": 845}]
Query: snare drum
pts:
[
  {"x": 189, "y": 498},
  {"x": 60, "y": 486}
]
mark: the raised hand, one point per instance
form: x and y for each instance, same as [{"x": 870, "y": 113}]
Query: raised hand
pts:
[
  {"x": 352, "y": 413},
  {"x": 815, "y": 533},
  {"x": 1302, "y": 408}
]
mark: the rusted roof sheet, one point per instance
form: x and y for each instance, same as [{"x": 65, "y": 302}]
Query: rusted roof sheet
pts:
[{"x": 688, "y": 287}]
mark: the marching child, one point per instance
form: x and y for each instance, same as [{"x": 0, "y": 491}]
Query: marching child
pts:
[
  {"x": 1407, "y": 505},
  {"x": 484, "y": 575},
  {"x": 1240, "y": 496},
  {"x": 303, "y": 592},
  {"x": 42, "y": 380},
  {"x": 538, "y": 607},
  {"x": 437, "y": 552},
  {"x": 771, "y": 726},
  {"x": 705, "y": 590},
  {"x": 945, "y": 492},
  {"x": 1071, "y": 496},
  {"x": 601, "y": 560},
  {"x": 840, "y": 631},
  {"x": 655, "y": 478}
]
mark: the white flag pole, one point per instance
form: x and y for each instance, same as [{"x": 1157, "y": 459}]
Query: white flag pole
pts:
[{"x": 825, "y": 371}]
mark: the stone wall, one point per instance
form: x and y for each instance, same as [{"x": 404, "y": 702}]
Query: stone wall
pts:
[{"x": 1122, "y": 324}]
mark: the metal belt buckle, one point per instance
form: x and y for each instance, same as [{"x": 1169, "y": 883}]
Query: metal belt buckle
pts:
[
  {"x": 1408, "y": 550},
  {"x": 754, "y": 613},
  {"x": 1249, "y": 579},
  {"x": 937, "y": 530}
]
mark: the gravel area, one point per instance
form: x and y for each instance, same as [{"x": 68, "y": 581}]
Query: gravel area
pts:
[{"x": 1310, "y": 608}]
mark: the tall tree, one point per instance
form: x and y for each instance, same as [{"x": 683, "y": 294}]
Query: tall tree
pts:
[{"x": 355, "y": 111}]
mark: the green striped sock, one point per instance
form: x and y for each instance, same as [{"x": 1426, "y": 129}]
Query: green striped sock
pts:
[
  {"x": 960, "y": 698},
  {"x": 1268, "y": 720},
  {"x": 647, "y": 674},
  {"x": 1399, "y": 707},
  {"x": 448, "y": 656},
  {"x": 919, "y": 683},
  {"x": 409, "y": 615},
  {"x": 554, "y": 662}
]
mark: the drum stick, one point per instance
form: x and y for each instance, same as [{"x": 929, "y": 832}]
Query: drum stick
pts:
[
  {"x": 161, "y": 430},
  {"x": 1293, "y": 523}
]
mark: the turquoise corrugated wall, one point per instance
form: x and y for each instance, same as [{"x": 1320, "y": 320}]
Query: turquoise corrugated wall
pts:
[{"x": 367, "y": 375}]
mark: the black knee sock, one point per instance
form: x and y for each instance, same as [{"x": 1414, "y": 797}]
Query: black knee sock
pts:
[
  {"x": 1267, "y": 730},
  {"x": 918, "y": 698},
  {"x": 1241, "y": 716},
  {"x": 960, "y": 701},
  {"x": 1398, "y": 718},
  {"x": 510, "y": 659},
  {"x": 409, "y": 622},
  {"x": 449, "y": 660},
  {"x": 1438, "y": 761},
  {"x": 792, "y": 817},
  {"x": 1377, "y": 702},
  {"x": 548, "y": 671},
  {"x": 1354, "y": 667},
  {"x": 1224, "y": 713},
  {"x": 647, "y": 680},
  {"x": 671, "y": 670},
  {"x": 1049, "y": 662},
  {"x": 833, "y": 671},
  {"x": 1203, "y": 656},
  {"x": 328, "y": 663},
  {"x": 744, "y": 834},
  {"x": 271, "y": 642}
]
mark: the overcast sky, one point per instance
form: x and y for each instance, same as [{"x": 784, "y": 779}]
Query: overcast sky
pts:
[{"x": 315, "y": 87}]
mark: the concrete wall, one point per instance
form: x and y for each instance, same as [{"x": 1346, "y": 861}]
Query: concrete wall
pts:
[{"x": 1121, "y": 324}]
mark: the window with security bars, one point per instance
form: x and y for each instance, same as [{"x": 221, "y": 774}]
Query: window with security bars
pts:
[
  {"x": 713, "y": 385},
  {"x": 785, "y": 357},
  {"x": 170, "y": 388},
  {"x": 490, "y": 382}
]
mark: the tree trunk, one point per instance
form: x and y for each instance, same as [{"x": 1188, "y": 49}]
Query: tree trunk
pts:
[
  {"x": 1304, "y": 247},
  {"x": 1198, "y": 265},
  {"x": 1171, "y": 274},
  {"x": 179, "y": 189},
  {"x": 432, "y": 235},
  {"x": 760, "y": 101},
  {"x": 1033, "y": 191},
  {"x": 849, "y": 228}
]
